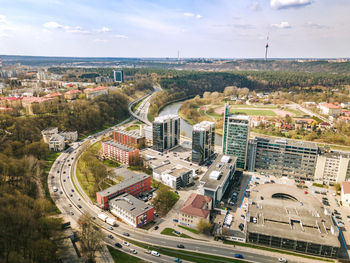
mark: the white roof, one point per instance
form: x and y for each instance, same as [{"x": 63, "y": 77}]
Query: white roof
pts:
[
  {"x": 214, "y": 175},
  {"x": 166, "y": 117}
]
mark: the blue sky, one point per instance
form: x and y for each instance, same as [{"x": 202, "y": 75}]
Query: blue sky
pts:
[{"x": 159, "y": 28}]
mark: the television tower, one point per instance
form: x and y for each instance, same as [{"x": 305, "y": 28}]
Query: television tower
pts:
[{"x": 266, "y": 47}]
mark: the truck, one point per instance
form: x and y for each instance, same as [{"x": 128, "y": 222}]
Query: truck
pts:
[
  {"x": 111, "y": 221},
  {"x": 103, "y": 217}
]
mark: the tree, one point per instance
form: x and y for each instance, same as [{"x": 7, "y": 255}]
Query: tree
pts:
[
  {"x": 204, "y": 227},
  {"x": 164, "y": 200},
  {"x": 91, "y": 237}
]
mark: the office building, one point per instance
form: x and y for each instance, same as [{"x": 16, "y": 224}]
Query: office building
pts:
[
  {"x": 283, "y": 217},
  {"x": 196, "y": 208},
  {"x": 131, "y": 210},
  {"x": 345, "y": 193},
  {"x": 118, "y": 152},
  {"x": 174, "y": 176},
  {"x": 48, "y": 132},
  {"x": 131, "y": 138},
  {"x": 235, "y": 136},
  {"x": 132, "y": 184},
  {"x": 332, "y": 167},
  {"x": 118, "y": 76},
  {"x": 203, "y": 141},
  {"x": 166, "y": 132},
  {"x": 148, "y": 133},
  {"x": 56, "y": 143},
  {"x": 283, "y": 157},
  {"x": 215, "y": 181}
]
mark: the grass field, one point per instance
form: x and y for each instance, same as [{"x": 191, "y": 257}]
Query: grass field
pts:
[
  {"x": 254, "y": 112},
  {"x": 297, "y": 113},
  {"x": 194, "y": 231},
  {"x": 169, "y": 232},
  {"x": 254, "y": 106},
  {"x": 132, "y": 127},
  {"x": 120, "y": 256}
]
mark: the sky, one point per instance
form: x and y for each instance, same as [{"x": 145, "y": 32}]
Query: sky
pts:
[{"x": 161, "y": 28}]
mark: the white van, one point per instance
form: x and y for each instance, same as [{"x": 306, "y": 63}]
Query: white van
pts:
[
  {"x": 155, "y": 253},
  {"x": 55, "y": 189}
]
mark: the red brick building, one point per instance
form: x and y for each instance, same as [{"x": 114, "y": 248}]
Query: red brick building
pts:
[
  {"x": 118, "y": 152},
  {"x": 130, "y": 138},
  {"x": 133, "y": 184}
]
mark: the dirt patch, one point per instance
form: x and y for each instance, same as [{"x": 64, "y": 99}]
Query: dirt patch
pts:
[
  {"x": 283, "y": 113},
  {"x": 219, "y": 110}
]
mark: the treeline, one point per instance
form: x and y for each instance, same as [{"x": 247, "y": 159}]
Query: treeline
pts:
[{"x": 28, "y": 233}]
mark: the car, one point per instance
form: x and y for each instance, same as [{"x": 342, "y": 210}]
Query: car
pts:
[
  {"x": 68, "y": 164},
  {"x": 110, "y": 228},
  {"x": 71, "y": 195},
  {"x": 72, "y": 158},
  {"x": 61, "y": 192},
  {"x": 118, "y": 245},
  {"x": 156, "y": 227},
  {"x": 126, "y": 244},
  {"x": 126, "y": 234},
  {"x": 148, "y": 251},
  {"x": 338, "y": 217},
  {"x": 176, "y": 233},
  {"x": 156, "y": 215},
  {"x": 176, "y": 192},
  {"x": 238, "y": 255},
  {"x": 334, "y": 194},
  {"x": 155, "y": 253},
  {"x": 110, "y": 236},
  {"x": 93, "y": 217},
  {"x": 180, "y": 246},
  {"x": 64, "y": 172},
  {"x": 133, "y": 251},
  {"x": 72, "y": 213},
  {"x": 72, "y": 190},
  {"x": 177, "y": 260},
  {"x": 79, "y": 206},
  {"x": 64, "y": 180},
  {"x": 70, "y": 205},
  {"x": 79, "y": 199},
  {"x": 336, "y": 212},
  {"x": 348, "y": 218},
  {"x": 58, "y": 171},
  {"x": 282, "y": 260},
  {"x": 175, "y": 220}
]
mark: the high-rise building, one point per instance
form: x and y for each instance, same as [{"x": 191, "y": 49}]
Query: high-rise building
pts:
[
  {"x": 203, "y": 141},
  {"x": 282, "y": 157},
  {"x": 118, "y": 76},
  {"x": 235, "y": 136},
  {"x": 166, "y": 132}
]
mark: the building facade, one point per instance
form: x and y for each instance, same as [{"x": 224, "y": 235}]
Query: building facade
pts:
[
  {"x": 69, "y": 136},
  {"x": 134, "y": 184},
  {"x": 131, "y": 210},
  {"x": 196, "y": 208},
  {"x": 131, "y": 138},
  {"x": 216, "y": 180},
  {"x": 235, "y": 136},
  {"x": 118, "y": 152},
  {"x": 282, "y": 157},
  {"x": 166, "y": 132},
  {"x": 48, "y": 132},
  {"x": 56, "y": 143},
  {"x": 345, "y": 193},
  {"x": 94, "y": 92},
  {"x": 173, "y": 176},
  {"x": 330, "y": 109},
  {"x": 332, "y": 167},
  {"x": 118, "y": 76},
  {"x": 203, "y": 141}
]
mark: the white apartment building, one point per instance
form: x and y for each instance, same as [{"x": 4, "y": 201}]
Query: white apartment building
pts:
[
  {"x": 174, "y": 176},
  {"x": 48, "y": 132},
  {"x": 56, "y": 143},
  {"x": 345, "y": 193},
  {"x": 330, "y": 109},
  {"x": 70, "y": 136}
]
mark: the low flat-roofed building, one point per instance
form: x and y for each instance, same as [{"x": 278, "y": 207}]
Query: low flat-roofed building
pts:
[
  {"x": 197, "y": 207},
  {"x": 174, "y": 176},
  {"x": 215, "y": 181},
  {"x": 72, "y": 94},
  {"x": 330, "y": 109},
  {"x": 133, "y": 184},
  {"x": 48, "y": 132},
  {"x": 69, "y": 136},
  {"x": 56, "y": 143},
  {"x": 131, "y": 138},
  {"x": 94, "y": 92},
  {"x": 283, "y": 216},
  {"x": 131, "y": 210},
  {"x": 119, "y": 152}
]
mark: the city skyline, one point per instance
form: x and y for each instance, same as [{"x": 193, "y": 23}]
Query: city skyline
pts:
[{"x": 296, "y": 28}]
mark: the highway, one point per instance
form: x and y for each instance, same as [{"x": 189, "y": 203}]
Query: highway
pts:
[{"x": 72, "y": 204}]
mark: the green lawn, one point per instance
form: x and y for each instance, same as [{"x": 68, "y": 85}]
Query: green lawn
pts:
[
  {"x": 297, "y": 113},
  {"x": 132, "y": 127},
  {"x": 254, "y": 106},
  {"x": 111, "y": 164},
  {"x": 253, "y": 112},
  {"x": 169, "y": 232},
  {"x": 121, "y": 257},
  {"x": 194, "y": 231}
]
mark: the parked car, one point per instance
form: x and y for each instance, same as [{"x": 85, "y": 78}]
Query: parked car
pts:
[
  {"x": 175, "y": 220},
  {"x": 176, "y": 233},
  {"x": 79, "y": 206},
  {"x": 156, "y": 227},
  {"x": 238, "y": 256},
  {"x": 180, "y": 246},
  {"x": 126, "y": 234},
  {"x": 118, "y": 245},
  {"x": 110, "y": 236}
]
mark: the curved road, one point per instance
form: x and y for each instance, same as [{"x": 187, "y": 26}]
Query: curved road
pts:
[{"x": 73, "y": 203}]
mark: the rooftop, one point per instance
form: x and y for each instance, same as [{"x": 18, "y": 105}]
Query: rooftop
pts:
[
  {"x": 330, "y": 106},
  {"x": 174, "y": 170},
  {"x": 196, "y": 205},
  {"x": 131, "y": 133},
  {"x": 164, "y": 118},
  {"x": 287, "y": 142},
  {"x": 74, "y": 91},
  {"x": 204, "y": 125},
  {"x": 130, "y": 204},
  {"x": 287, "y": 212},
  {"x": 130, "y": 178},
  {"x": 218, "y": 172},
  {"x": 346, "y": 187},
  {"x": 119, "y": 145},
  {"x": 95, "y": 89}
]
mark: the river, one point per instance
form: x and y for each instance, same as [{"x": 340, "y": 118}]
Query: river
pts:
[{"x": 184, "y": 126}]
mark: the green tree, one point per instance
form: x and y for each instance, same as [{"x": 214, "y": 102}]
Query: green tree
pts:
[{"x": 204, "y": 227}]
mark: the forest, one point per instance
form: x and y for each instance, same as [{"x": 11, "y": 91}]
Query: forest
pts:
[{"x": 28, "y": 230}]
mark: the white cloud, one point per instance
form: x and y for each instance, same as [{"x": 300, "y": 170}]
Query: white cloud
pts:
[
  {"x": 100, "y": 40},
  {"x": 52, "y": 25},
  {"x": 282, "y": 25},
  {"x": 120, "y": 36},
  {"x": 104, "y": 30},
  {"x": 2, "y": 19},
  {"x": 255, "y": 6},
  {"x": 189, "y": 14},
  {"x": 198, "y": 16},
  {"x": 284, "y": 4}
]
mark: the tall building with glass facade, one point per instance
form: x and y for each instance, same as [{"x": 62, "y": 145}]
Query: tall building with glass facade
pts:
[
  {"x": 235, "y": 136},
  {"x": 203, "y": 141},
  {"x": 166, "y": 132}
]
